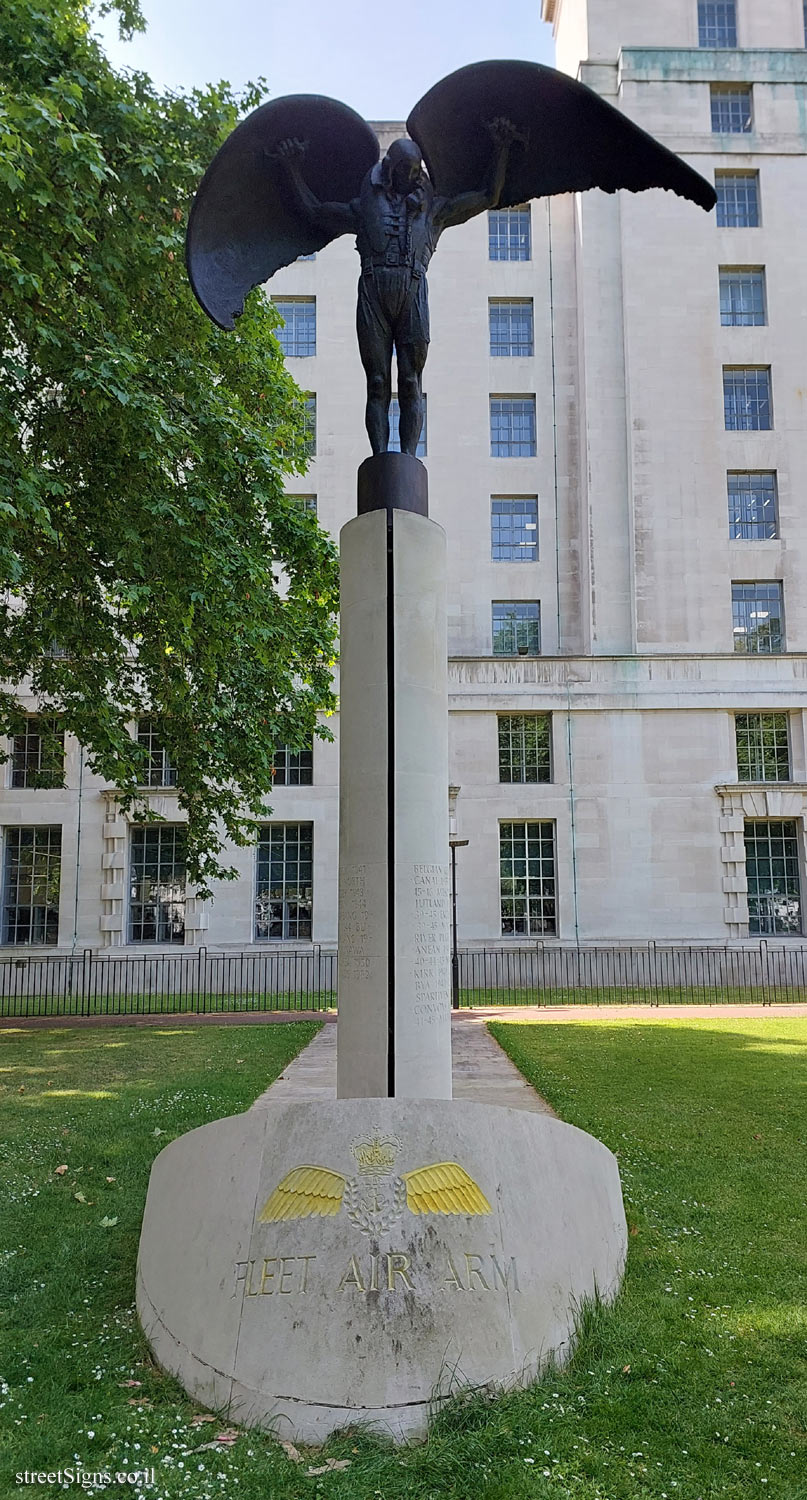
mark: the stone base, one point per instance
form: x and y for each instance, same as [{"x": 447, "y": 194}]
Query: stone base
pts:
[{"x": 306, "y": 1266}]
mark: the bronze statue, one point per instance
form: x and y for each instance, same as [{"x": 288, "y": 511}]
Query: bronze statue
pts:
[{"x": 302, "y": 170}]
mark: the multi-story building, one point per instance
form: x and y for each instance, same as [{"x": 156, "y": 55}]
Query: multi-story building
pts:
[{"x": 616, "y": 440}]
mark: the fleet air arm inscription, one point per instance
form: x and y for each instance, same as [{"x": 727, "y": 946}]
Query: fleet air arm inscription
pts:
[
  {"x": 430, "y": 943},
  {"x": 383, "y": 1271}
]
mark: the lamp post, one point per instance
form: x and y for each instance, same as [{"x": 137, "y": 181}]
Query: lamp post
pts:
[{"x": 454, "y": 845}]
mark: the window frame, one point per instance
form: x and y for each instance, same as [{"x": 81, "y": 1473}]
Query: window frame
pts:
[
  {"x": 297, "y": 766},
  {"x": 520, "y": 753},
  {"x": 527, "y": 400},
  {"x": 741, "y": 526},
  {"x": 756, "y": 759},
  {"x": 732, "y": 94},
  {"x": 515, "y": 238},
  {"x": 285, "y": 901},
  {"x": 26, "y": 770},
  {"x": 705, "y": 24},
  {"x": 161, "y": 829},
  {"x": 167, "y": 772},
  {"x": 514, "y": 606},
  {"x": 512, "y": 347},
  {"x": 394, "y": 437},
  {"x": 735, "y": 279},
  {"x": 741, "y": 413},
  {"x": 722, "y": 177},
  {"x": 738, "y": 629},
  {"x": 51, "y": 910},
  {"x": 289, "y": 334},
  {"x": 757, "y": 926},
  {"x": 542, "y": 927},
  {"x": 512, "y": 551}
]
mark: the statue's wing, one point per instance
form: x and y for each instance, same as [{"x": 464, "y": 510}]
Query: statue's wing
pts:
[
  {"x": 304, "y": 1193},
  {"x": 573, "y": 139},
  {"x": 444, "y": 1188},
  {"x": 243, "y": 225}
]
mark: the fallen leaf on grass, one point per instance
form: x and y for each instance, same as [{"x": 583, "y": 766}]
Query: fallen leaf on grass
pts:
[
  {"x": 330, "y": 1463},
  {"x": 127, "y": 1385},
  {"x": 111, "y": 1179},
  {"x": 79, "y": 1197},
  {"x": 107, "y": 1223},
  {"x": 223, "y": 1439},
  {"x": 202, "y": 1417},
  {"x": 157, "y": 1131},
  {"x": 138, "y": 1401},
  {"x": 60, "y": 1171},
  {"x": 291, "y": 1452}
]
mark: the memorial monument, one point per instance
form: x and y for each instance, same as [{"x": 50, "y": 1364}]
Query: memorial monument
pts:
[{"x": 308, "y": 1265}]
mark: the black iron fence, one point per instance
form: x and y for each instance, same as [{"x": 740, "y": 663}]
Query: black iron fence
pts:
[{"x": 268, "y": 979}]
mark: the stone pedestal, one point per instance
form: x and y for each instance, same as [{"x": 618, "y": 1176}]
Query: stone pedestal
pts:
[
  {"x": 306, "y": 1266},
  {"x": 394, "y": 933}
]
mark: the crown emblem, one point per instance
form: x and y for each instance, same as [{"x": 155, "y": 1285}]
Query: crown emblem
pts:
[{"x": 376, "y": 1155}]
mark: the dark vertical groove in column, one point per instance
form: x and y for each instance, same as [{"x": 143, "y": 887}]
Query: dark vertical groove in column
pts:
[{"x": 390, "y": 806}]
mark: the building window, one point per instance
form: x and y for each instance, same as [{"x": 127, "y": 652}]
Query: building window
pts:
[
  {"x": 509, "y": 233},
  {"x": 527, "y": 874},
  {"x": 717, "y": 23},
  {"x": 731, "y": 109},
  {"x": 517, "y": 628},
  {"x": 525, "y": 747},
  {"x": 157, "y": 883},
  {"x": 157, "y": 769},
  {"x": 284, "y": 894},
  {"x": 737, "y": 200},
  {"x": 511, "y": 327},
  {"x": 752, "y": 506},
  {"x": 747, "y": 398},
  {"x": 772, "y": 870},
  {"x": 306, "y": 503},
  {"x": 758, "y": 614},
  {"x": 395, "y": 429},
  {"x": 514, "y": 528},
  {"x": 512, "y": 426},
  {"x": 298, "y": 335},
  {"x": 763, "y": 747},
  {"x": 33, "y": 859},
  {"x": 310, "y": 425},
  {"x": 293, "y": 767},
  {"x": 742, "y": 297},
  {"x": 37, "y": 755}
]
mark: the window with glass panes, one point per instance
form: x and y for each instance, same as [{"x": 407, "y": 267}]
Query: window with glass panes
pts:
[
  {"x": 747, "y": 398},
  {"x": 742, "y": 297},
  {"x": 31, "y": 875},
  {"x": 284, "y": 889},
  {"x": 395, "y": 429},
  {"x": 772, "y": 872},
  {"x": 752, "y": 505},
  {"x": 37, "y": 753},
  {"x": 511, "y": 327},
  {"x": 758, "y": 618},
  {"x": 717, "y": 23},
  {"x": 158, "y": 770},
  {"x": 512, "y": 427},
  {"x": 509, "y": 236},
  {"x": 514, "y": 528},
  {"x": 516, "y": 627},
  {"x": 310, "y": 425},
  {"x": 763, "y": 747},
  {"x": 157, "y": 883},
  {"x": 297, "y": 335},
  {"x": 306, "y": 503},
  {"x": 525, "y": 747},
  {"x": 293, "y": 767},
  {"x": 731, "y": 109},
  {"x": 527, "y": 879},
  {"x": 737, "y": 200}
]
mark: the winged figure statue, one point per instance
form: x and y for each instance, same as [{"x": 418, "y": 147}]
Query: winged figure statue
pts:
[{"x": 304, "y": 169}]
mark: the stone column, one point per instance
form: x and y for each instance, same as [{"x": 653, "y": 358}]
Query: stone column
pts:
[{"x": 394, "y": 1037}]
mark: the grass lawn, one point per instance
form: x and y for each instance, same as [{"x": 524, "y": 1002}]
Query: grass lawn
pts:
[{"x": 693, "y": 1387}]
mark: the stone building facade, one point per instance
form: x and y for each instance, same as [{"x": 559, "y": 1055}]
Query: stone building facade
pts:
[{"x": 616, "y": 441}]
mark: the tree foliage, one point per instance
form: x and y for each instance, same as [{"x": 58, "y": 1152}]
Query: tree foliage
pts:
[{"x": 150, "y": 562}]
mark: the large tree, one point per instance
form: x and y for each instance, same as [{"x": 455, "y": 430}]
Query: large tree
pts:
[{"x": 150, "y": 562}]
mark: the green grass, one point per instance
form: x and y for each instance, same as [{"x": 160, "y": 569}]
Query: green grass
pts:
[
  {"x": 693, "y": 1387},
  {"x": 16, "y": 1007}
]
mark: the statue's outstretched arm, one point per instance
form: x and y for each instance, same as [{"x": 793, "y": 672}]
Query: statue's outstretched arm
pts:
[
  {"x": 457, "y": 210},
  {"x": 333, "y": 218}
]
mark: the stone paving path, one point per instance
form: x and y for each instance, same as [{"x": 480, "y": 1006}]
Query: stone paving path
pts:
[{"x": 481, "y": 1071}]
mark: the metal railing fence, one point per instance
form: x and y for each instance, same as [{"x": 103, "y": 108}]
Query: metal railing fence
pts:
[{"x": 271, "y": 979}]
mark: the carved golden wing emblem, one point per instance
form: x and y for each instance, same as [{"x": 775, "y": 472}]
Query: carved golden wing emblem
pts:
[
  {"x": 444, "y": 1188},
  {"x": 304, "y": 1193}
]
